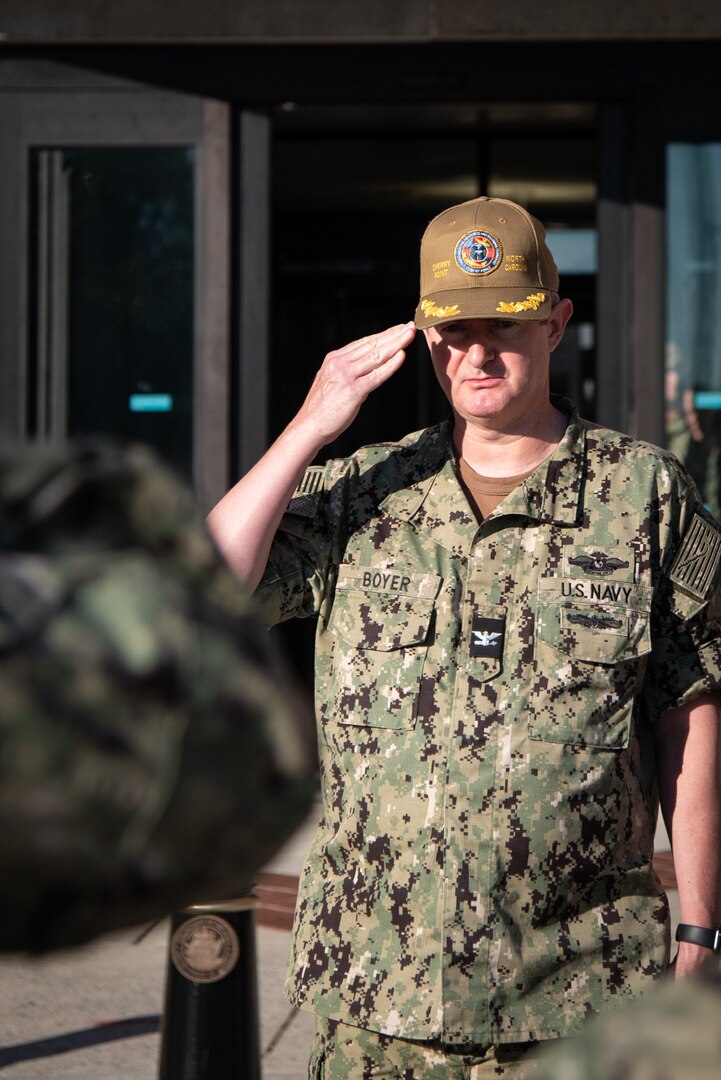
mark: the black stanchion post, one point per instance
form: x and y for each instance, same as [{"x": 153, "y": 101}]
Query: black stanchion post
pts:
[{"x": 210, "y": 1022}]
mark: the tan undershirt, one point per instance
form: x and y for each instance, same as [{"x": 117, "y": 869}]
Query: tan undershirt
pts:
[{"x": 484, "y": 493}]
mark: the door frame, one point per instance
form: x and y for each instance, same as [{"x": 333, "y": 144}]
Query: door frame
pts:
[{"x": 102, "y": 112}]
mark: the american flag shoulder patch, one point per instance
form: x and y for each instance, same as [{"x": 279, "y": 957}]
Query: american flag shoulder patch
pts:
[
  {"x": 312, "y": 481},
  {"x": 696, "y": 565},
  {"x": 305, "y": 496}
]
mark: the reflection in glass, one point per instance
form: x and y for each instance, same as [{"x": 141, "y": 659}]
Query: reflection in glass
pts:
[
  {"x": 693, "y": 335},
  {"x": 114, "y": 283}
]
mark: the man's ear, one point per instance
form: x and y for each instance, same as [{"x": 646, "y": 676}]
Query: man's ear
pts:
[{"x": 557, "y": 322}]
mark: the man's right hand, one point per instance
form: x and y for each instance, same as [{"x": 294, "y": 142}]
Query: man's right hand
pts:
[
  {"x": 245, "y": 520},
  {"x": 345, "y": 379}
]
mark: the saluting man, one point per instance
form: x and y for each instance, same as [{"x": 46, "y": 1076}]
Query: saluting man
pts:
[{"x": 518, "y": 650}]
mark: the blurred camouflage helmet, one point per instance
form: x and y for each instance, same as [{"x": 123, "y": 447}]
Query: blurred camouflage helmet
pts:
[{"x": 152, "y": 753}]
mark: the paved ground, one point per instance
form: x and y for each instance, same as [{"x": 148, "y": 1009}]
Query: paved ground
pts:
[{"x": 94, "y": 1012}]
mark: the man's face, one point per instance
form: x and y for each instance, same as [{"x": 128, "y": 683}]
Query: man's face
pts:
[{"x": 496, "y": 370}]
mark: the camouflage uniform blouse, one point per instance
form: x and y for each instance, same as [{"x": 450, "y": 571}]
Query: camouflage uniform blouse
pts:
[{"x": 485, "y": 700}]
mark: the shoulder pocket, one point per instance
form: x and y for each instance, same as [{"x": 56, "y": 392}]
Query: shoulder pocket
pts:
[{"x": 382, "y": 621}]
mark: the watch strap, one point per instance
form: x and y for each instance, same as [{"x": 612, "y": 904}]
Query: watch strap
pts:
[{"x": 700, "y": 935}]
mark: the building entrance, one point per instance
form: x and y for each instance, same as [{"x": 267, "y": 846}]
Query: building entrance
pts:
[{"x": 353, "y": 190}]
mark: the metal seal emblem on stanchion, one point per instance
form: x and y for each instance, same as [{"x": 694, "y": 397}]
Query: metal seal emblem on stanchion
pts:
[
  {"x": 205, "y": 949},
  {"x": 210, "y": 1027}
]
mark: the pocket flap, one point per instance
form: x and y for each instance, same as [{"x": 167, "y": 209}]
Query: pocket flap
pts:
[
  {"x": 594, "y": 633},
  {"x": 383, "y": 609}
]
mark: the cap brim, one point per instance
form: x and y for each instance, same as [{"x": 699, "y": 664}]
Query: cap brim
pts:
[{"x": 483, "y": 302}]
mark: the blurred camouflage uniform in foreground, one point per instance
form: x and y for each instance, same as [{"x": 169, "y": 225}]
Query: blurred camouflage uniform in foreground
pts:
[
  {"x": 151, "y": 754},
  {"x": 672, "y": 1034}
]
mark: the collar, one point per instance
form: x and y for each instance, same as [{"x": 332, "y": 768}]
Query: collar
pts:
[{"x": 550, "y": 495}]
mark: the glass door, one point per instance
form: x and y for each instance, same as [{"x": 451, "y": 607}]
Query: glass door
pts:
[
  {"x": 115, "y": 313},
  {"x": 111, "y": 295}
]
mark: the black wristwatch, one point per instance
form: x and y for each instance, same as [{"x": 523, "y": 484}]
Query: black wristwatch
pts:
[{"x": 700, "y": 935}]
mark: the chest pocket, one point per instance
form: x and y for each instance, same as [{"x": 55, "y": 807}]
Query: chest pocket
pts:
[
  {"x": 382, "y": 621},
  {"x": 589, "y": 663}
]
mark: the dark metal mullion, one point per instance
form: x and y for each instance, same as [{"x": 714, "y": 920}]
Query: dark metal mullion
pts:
[
  {"x": 49, "y": 278},
  {"x": 251, "y": 284},
  {"x": 212, "y": 401},
  {"x": 649, "y": 281},
  {"x": 58, "y": 280},
  {"x": 16, "y": 412},
  {"x": 453, "y": 135},
  {"x": 614, "y": 405},
  {"x": 39, "y": 329}
]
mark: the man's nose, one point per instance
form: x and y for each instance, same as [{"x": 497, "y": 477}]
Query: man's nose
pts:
[{"x": 480, "y": 351}]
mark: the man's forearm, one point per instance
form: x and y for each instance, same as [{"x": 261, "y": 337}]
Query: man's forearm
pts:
[
  {"x": 245, "y": 520},
  {"x": 689, "y": 766}
]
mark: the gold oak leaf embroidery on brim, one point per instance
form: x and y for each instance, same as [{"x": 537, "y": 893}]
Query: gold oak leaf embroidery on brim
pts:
[
  {"x": 531, "y": 303},
  {"x": 432, "y": 310}
]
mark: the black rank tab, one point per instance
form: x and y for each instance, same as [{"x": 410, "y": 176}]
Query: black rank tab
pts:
[{"x": 487, "y": 637}]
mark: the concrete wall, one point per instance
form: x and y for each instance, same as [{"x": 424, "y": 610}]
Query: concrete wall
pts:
[{"x": 55, "y": 21}]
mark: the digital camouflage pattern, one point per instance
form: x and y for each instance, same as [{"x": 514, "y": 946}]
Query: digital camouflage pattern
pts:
[
  {"x": 151, "y": 754},
  {"x": 671, "y": 1034},
  {"x": 341, "y": 1051},
  {"x": 485, "y": 701}
]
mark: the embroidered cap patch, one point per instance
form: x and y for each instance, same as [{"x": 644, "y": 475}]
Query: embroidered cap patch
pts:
[
  {"x": 695, "y": 567},
  {"x": 487, "y": 637},
  {"x": 478, "y": 252}
]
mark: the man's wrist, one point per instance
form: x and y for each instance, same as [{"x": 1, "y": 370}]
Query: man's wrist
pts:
[{"x": 706, "y": 937}]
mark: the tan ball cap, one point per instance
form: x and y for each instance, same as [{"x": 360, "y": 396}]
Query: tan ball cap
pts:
[{"x": 485, "y": 259}]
